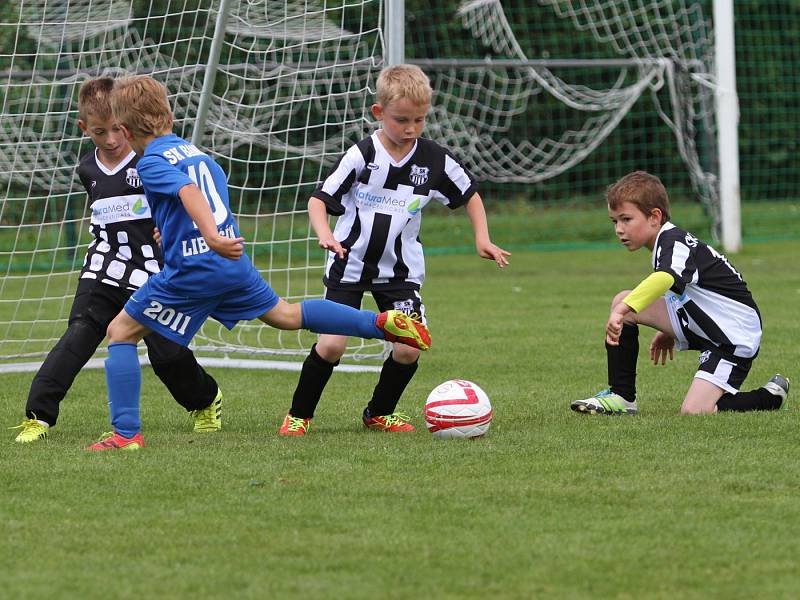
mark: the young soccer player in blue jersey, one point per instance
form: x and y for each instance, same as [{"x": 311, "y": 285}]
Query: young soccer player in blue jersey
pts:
[
  {"x": 695, "y": 299},
  {"x": 378, "y": 191},
  {"x": 122, "y": 255},
  {"x": 206, "y": 271}
]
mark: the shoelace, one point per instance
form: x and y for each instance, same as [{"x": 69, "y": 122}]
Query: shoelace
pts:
[
  {"x": 396, "y": 419},
  {"x": 296, "y": 424},
  {"x": 29, "y": 424},
  {"x": 105, "y": 437},
  {"x": 205, "y": 416}
]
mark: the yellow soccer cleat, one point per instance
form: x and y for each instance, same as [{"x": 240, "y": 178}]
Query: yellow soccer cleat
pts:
[
  {"x": 32, "y": 431},
  {"x": 397, "y": 326},
  {"x": 209, "y": 419}
]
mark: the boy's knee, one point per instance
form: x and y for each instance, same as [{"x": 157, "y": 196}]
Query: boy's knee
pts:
[
  {"x": 404, "y": 354},
  {"x": 331, "y": 349},
  {"x": 284, "y": 315},
  {"x": 124, "y": 329},
  {"x": 112, "y": 332},
  {"x": 698, "y": 408}
]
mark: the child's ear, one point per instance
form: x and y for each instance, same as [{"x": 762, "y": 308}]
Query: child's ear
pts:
[
  {"x": 126, "y": 132},
  {"x": 82, "y": 126},
  {"x": 377, "y": 111},
  {"x": 656, "y": 214}
]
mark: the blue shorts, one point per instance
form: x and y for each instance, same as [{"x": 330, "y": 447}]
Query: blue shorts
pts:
[{"x": 178, "y": 317}]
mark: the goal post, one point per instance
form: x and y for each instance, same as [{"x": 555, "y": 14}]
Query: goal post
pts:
[{"x": 727, "y": 112}]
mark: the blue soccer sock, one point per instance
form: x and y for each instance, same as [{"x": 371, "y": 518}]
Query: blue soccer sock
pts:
[
  {"x": 124, "y": 379},
  {"x": 324, "y": 316}
]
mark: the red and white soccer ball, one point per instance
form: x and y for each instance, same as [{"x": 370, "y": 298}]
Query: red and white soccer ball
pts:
[{"x": 458, "y": 409}]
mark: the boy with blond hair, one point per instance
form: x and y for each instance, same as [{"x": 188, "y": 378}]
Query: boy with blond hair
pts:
[
  {"x": 378, "y": 190},
  {"x": 206, "y": 271},
  {"x": 122, "y": 255},
  {"x": 695, "y": 299}
]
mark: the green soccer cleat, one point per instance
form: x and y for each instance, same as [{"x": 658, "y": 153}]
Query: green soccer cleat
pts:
[
  {"x": 397, "y": 326},
  {"x": 209, "y": 419},
  {"x": 32, "y": 431},
  {"x": 605, "y": 402}
]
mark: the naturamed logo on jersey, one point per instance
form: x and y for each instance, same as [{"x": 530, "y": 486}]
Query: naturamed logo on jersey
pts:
[
  {"x": 121, "y": 208},
  {"x": 388, "y": 203},
  {"x": 139, "y": 207}
]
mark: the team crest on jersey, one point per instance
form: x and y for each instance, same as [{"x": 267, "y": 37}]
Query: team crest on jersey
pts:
[
  {"x": 406, "y": 306},
  {"x": 419, "y": 175},
  {"x": 691, "y": 241},
  {"x": 132, "y": 178}
]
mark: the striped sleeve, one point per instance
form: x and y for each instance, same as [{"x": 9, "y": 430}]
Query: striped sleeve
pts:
[
  {"x": 340, "y": 180},
  {"x": 458, "y": 186},
  {"x": 676, "y": 259}
]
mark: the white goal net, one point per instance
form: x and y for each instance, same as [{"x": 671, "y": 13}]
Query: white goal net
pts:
[
  {"x": 276, "y": 90},
  {"x": 659, "y": 51},
  {"x": 291, "y": 93}
]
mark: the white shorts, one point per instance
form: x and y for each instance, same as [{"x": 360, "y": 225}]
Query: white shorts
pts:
[{"x": 723, "y": 369}]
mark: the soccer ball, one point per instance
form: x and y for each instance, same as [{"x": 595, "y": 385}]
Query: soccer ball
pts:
[{"x": 458, "y": 409}]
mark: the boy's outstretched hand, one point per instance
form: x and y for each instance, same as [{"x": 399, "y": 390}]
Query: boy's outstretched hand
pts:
[
  {"x": 331, "y": 244},
  {"x": 489, "y": 251},
  {"x": 661, "y": 346}
]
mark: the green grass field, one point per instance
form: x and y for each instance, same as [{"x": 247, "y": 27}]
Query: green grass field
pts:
[{"x": 550, "y": 504}]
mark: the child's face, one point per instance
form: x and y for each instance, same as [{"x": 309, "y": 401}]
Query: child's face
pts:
[
  {"x": 633, "y": 227},
  {"x": 402, "y": 120},
  {"x": 107, "y": 136}
]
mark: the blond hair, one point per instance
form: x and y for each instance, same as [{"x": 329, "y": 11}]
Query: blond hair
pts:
[
  {"x": 94, "y": 99},
  {"x": 403, "y": 81},
  {"x": 643, "y": 190},
  {"x": 140, "y": 104}
]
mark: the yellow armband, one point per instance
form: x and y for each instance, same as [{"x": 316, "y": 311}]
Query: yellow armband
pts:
[{"x": 646, "y": 292}]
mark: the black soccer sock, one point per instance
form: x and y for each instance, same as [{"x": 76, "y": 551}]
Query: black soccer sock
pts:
[
  {"x": 392, "y": 383},
  {"x": 313, "y": 378},
  {"x": 622, "y": 362},
  {"x": 760, "y": 399},
  {"x": 186, "y": 380}
]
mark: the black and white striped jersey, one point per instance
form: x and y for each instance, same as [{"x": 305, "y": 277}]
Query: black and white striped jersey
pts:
[
  {"x": 716, "y": 304},
  {"x": 123, "y": 252},
  {"x": 379, "y": 202}
]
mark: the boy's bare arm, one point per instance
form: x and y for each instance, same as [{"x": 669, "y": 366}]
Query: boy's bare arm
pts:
[
  {"x": 197, "y": 206},
  {"x": 483, "y": 243},
  {"x": 643, "y": 295},
  {"x": 318, "y": 216}
]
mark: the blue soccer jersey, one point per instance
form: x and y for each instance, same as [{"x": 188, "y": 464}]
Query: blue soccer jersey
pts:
[{"x": 170, "y": 163}]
